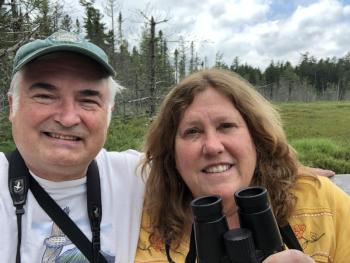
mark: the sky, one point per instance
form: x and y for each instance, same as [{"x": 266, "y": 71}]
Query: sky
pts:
[{"x": 255, "y": 31}]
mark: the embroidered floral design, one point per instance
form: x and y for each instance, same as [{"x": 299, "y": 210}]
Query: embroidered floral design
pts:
[
  {"x": 154, "y": 247},
  {"x": 313, "y": 238},
  {"x": 156, "y": 243},
  {"x": 304, "y": 239},
  {"x": 299, "y": 230}
]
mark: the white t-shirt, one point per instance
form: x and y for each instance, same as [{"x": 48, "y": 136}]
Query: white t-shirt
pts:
[{"x": 122, "y": 190}]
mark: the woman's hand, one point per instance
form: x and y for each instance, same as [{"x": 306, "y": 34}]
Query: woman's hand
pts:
[{"x": 289, "y": 256}]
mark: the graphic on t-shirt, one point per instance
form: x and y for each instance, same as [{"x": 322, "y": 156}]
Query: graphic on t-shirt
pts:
[{"x": 59, "y": 249}]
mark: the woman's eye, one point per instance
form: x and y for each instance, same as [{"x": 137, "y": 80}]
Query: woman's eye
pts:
[
  {"x": 227, "y": 125},
  {"x": 191, "y": 131}
]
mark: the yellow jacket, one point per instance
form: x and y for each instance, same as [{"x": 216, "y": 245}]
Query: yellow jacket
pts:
[{"x": 320, "y": 221}]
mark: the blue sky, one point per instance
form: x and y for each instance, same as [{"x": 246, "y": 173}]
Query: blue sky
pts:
[
  {"x": 283, "y": 8},
  {"x": 256, "y": 31}
]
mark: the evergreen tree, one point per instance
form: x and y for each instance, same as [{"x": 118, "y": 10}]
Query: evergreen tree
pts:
[
  {"x": 95, "y": 28},
  {"x": 66, "y": 23},
  {"x": 77, "y": 28},
  {"x": 272, "y": 78},
  {"x": 122, "y": 56},
  {"x": 44, "y": 20},
  {"x": 110, "y": 10},
  {"x": 219, "y": 63},
  {"x": 289, "y": 78},
  {"x": 182, "y": 59},
  {"x": 19, "y": 21},
  {"x": 235, "y": 64},
  {"x": 164, "y": 71},
  {"x": 196, "y": 62},
  {"x": 191, "y": 68},
  {"x": 144, "y": 60},
  {"x": 176, "y": 65},
  {"x": 57, "y": 16}
]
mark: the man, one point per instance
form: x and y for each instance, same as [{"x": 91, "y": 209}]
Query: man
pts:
[{"x": 61, "y": 97}]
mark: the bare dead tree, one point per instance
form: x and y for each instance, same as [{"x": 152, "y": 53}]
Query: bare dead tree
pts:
[
  {"x": 110, "y": 9},
  {"x": 13, "y": 48},
  {"x": 152, "y": 74}
]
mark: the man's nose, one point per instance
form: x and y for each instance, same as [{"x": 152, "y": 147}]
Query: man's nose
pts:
[
  {"x": 212, "y": 144},
  {"x": 68, "y": 114}
]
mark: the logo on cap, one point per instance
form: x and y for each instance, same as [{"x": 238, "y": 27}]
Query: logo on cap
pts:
[{"x": 64, "y": 36}]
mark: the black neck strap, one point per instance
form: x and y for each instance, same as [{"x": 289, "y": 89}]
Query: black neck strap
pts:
[
  {"x": 18, "y": 187},
  {"x": 287, "y": 234},
  {"x": 191, "y": 256},
  {"x": 94, "y": 207},
  {"x": 18, "y": 173},
  {"x": 289, "y": 238}
]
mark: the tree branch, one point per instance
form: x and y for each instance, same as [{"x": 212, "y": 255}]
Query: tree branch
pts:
[{"x": 13, "y": 48}]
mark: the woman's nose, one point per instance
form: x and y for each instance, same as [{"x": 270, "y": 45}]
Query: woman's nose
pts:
[{"x": 212, "y": 144}]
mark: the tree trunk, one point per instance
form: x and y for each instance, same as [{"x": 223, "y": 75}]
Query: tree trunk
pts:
[{"x": 152, "y": 68}]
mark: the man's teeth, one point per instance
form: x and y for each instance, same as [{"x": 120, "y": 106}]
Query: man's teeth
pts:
[
  {"x": 63, "y": 137},
  {"x": 218, "y": 168}
]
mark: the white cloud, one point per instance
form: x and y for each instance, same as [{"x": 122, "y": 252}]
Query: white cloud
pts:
[
  {"x": 320, "y": 28},
  {"x": 247, "y": 28}
]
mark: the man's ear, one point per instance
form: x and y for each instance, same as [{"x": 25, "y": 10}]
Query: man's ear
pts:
[
  {"x": 114, "y": 109},
  {"x": 10, "y": 101}
]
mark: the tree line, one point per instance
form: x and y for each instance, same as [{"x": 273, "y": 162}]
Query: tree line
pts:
[{"x": 150, "y": 68}]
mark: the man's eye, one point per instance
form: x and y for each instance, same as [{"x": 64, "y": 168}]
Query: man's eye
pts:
[
  {"x": 90, "y": 102},
  {"x": 43, "y": 98}
]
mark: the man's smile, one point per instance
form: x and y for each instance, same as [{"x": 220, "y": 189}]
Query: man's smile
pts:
[{"x": 62, "y": 136}]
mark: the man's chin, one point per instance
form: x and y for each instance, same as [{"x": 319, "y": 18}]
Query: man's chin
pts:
[{"x": 66, "y": 160}]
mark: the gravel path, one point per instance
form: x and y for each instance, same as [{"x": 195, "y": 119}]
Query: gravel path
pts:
[{"x": 343, "y": 181}]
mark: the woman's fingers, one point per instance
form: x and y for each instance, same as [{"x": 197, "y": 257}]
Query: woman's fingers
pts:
[{"x": 289, "y": 256}]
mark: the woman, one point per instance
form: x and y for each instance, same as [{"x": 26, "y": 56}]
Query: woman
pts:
[{"x": 215, "y": 134}]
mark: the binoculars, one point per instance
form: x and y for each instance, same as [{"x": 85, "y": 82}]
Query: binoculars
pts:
[{"x": 258, "y": 237}]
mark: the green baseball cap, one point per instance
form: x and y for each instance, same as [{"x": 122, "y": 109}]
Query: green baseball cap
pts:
[{"x": 60, "y": 41}]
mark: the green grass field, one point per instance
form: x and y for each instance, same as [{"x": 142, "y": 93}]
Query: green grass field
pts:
[{"x": 318, "y": 131}]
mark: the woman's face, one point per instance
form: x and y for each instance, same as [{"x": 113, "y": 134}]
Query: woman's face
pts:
[{"x": 214, "y": 151}]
